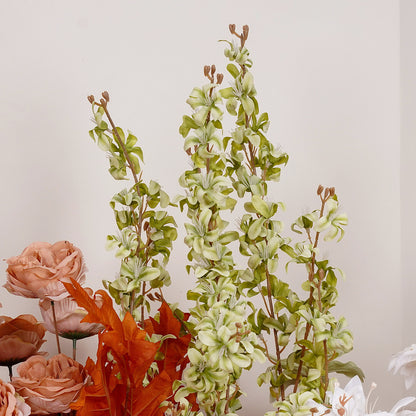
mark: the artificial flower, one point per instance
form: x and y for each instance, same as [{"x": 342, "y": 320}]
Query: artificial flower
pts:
[
  {"x": 20, "y": 338},
  {"x": 49, "y": 386},
  {"x": 11, "y": 404},
  {"x": 404, "y": 362},
  {"x": 68, "y": 317},
  {"x": 332, "y": 222},
  {"x": 39, "y": 270},
  {"x": 351, "y": 401}
]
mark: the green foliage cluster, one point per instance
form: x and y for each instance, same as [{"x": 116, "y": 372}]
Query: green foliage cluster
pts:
[
  {"x": 223, "y": 343},
  {"x": 297, "y": 333},
  {"x": 146, "y": 230},
  {"x": 305, "y": 338}
]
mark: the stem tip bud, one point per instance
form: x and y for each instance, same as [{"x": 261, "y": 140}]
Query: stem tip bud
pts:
[{"x": 245, "y": 31}]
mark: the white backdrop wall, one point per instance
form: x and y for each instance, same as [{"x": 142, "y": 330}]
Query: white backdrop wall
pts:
[
  {"x": 327, "y": 72},
  {"x": 407, "y": 167}
]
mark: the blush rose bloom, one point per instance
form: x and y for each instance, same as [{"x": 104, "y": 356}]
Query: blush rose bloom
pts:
[
  {"x": 49, "y": 386},
  {"x": 10, "y": 404},
  {"x": 68, "y": 317},
  {"x": 20, "y": 338},
  {"x": 39, "y": 270}
]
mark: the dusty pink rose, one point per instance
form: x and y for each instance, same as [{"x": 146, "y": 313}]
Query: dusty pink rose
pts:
[
  {"x": 39, "y": 270},
  {"x": 20, "y": 338},
  {"x": 10, "y": 404},
  {"x": 68, "y": 317},
  {"x": 49, "y": 386}
]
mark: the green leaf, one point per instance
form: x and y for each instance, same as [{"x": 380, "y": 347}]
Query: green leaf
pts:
[
  {"x": 149, "y": 273},
  {"x": 288, "y": 250},
  {"x": 255, "y": 228},
  {"x": 136, "y": 164},
  {"x": 273, "y": 324},
  {"x": 233, "y": 70},
  {"x": 188, "y": 123},
  {"x": 349, "y": 369},
  {"x": 92, "y": 134},
  {"x": 228, "y": 237},
  {"x": 331, "y": 278},
  {"x": 131, "y": 141},
  {"x": 227, "y": 92},
  {"x": 307, "y": 223},
  {"x": 121, "y": 134},
  {"x": 164, "y": 199},
  {"x": 261, "y": 206},
  {"x": 248, "y": 105}
]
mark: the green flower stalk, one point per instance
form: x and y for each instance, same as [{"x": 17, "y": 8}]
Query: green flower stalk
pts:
[
  {"x": 296, "y": 333},
  {"x": 146, "y": 230},
  {"x": 223, "y": 343},
  {"x": 318, "y": 338}
]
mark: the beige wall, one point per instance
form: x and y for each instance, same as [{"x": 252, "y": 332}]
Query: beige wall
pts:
[
  {"x": 327, "y": 72},
  {"x": 407, "y": 167}
]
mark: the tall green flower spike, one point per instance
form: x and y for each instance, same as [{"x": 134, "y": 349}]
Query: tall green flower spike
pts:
[
  {"x": 224, "y": 343},
  {"x": 146, "y": 230},
  {"x": 241, "y": 166}
]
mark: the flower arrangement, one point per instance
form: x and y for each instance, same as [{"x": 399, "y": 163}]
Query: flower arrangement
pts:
[{"x": 178, "y": 363}]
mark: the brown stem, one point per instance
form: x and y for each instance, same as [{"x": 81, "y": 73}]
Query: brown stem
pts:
[
  {"x": 275, "y": 336},
  {"x": 55, "y": 326},
  {"x": 324, "y": 199},
  {"x": 326, "y": 366},
  {"x": 129, "y": 162},
  {"x": 228, "y": 398},
  {"x": 142, "y": 311},
  {"x": 120, "y": 143},
  {"x": 132, "y": 296},
  {"x": 265, "y": 303},
  {"x": 267, "y": 351},
  {"x": 74, "y": 349}
]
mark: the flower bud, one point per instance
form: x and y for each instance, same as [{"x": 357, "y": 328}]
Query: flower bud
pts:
[
  {"x": 213, "y": 69},
  {"x": 232, "y": 28},
  {"x": 320, "y": 189},
  {"x": 206, "y": 70},
  {"x": 91, "y": 99},
  {"x": 220, "y": 77},
  {"x": 245, "y": 32},
  {"x": 332, "y": 191},
  {"x": 106, "y": 96}
]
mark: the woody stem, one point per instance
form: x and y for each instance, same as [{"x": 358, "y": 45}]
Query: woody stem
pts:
[{"x": 55, "y": 326}]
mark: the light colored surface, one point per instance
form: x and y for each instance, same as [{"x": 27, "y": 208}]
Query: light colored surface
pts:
[
  {"x": 327, "y": 72},
  {"x": 408, "y": 167}
]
